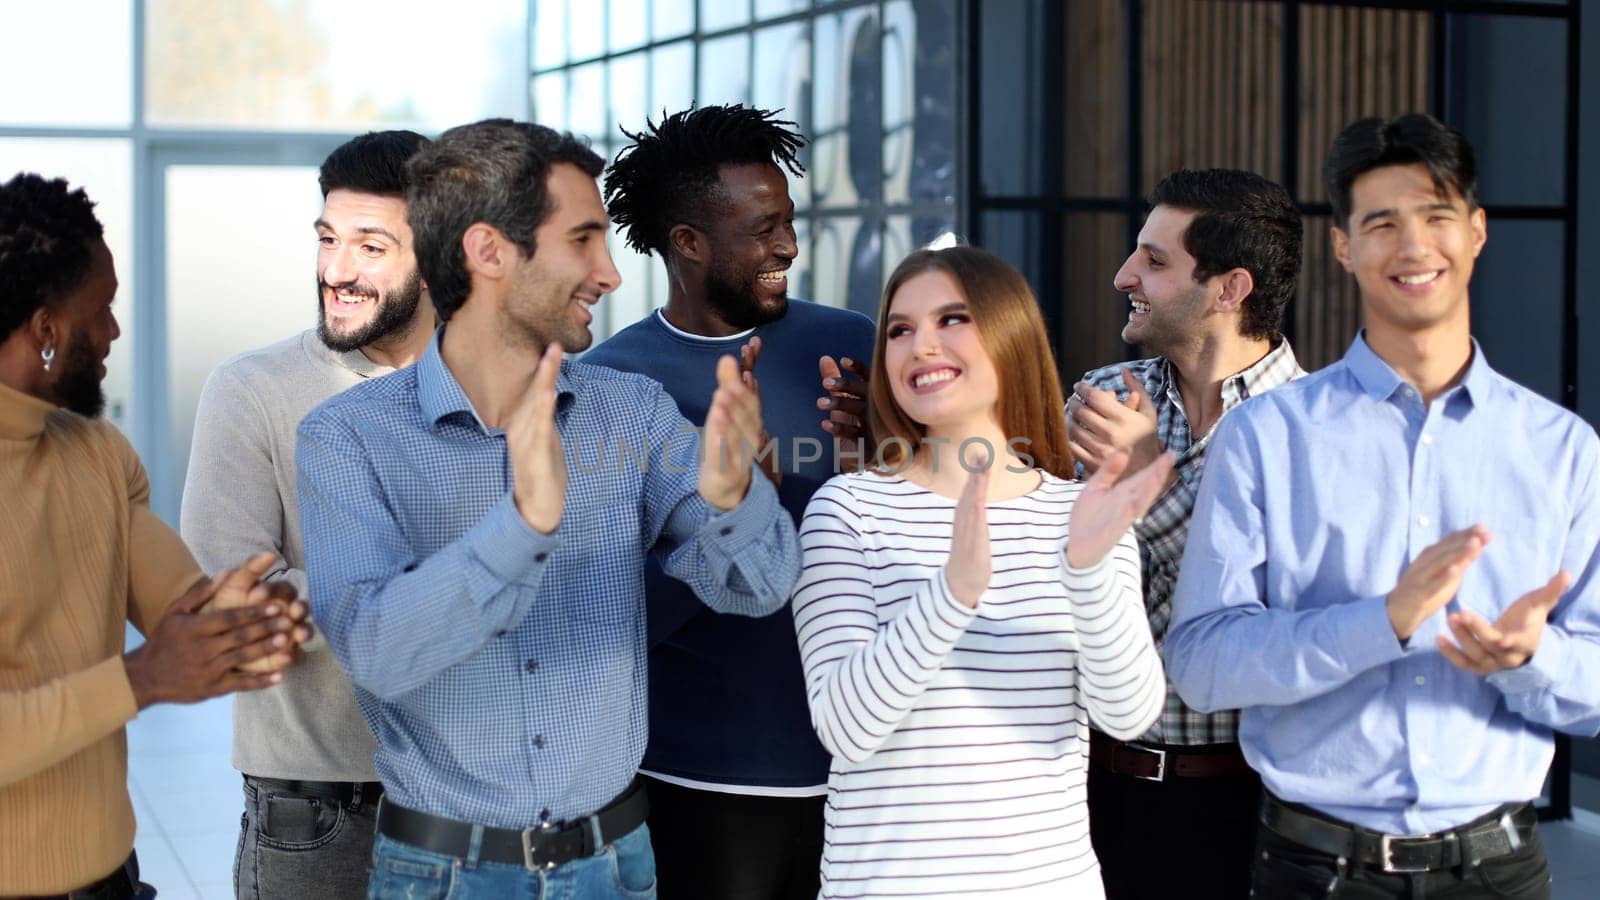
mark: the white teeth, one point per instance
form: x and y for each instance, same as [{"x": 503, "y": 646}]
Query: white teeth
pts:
[
  {"x": 928, "y": 378},
  {"x": 1140, "y": 306},
  {"x": 773, "y": 277},
  {"x": 1417, "y": 279}
]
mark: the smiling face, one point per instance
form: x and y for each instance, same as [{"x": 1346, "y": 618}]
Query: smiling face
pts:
[
  {"x": 368, "y": 288},
  {"x": 752, "y": 246},
  {"x": 570, "y": 268},
  {"x": 1411, "y": 250},
  {"x": 84, "y": 328},
  {"x": 1167, "y": 306},
  {"x": 939, "y": 371}
]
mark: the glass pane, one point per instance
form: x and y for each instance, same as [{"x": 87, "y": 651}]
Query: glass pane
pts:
[
  {"x": 1325, "y": 313},
  {"x": 550, "y": 99},
  {"x": 586, "y": 102},
  {"x": 717, "y": 15},
  {"x": 629, "y": 26},
  {"x": 1011, "y": 146},
  {"x": 847, "y": 110},
  {"x": 724, "y": 71},
  {"x": 919, "y": 109},
  {"x": 86, "y": 70},
  {"x": 671, "y": 78},
  {"x": 629, "y": 81},
  {"x": 1517, "y": 290},
  {"x": 586, "y": 30},
  {"x": 769, "y": 9},
  {"x": 670, "y": 19},
  {"x": 1205, "y": 109},
  {"x": 1090, "y": 310},
  {"x": 800, "y": 270},
  {"x": 848, "y": 256},
  {"x": 104, "y": 169},
  {"x": 220, "y": 305},
  {"x": 632, "y": 301},
  {"x": 905, "y": 233},
  {"x": 248, "y": 64},
  {"x": 1396, "y": 47},
  {"x": 549, "y": 28},
  {"x": 1094, "y": 126},
  {"x": 782, "y": 82},
  {"x": 1525, "y": 164}
]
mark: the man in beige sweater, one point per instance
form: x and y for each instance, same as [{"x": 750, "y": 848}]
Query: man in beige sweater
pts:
[{"x": 80, "y": 554}]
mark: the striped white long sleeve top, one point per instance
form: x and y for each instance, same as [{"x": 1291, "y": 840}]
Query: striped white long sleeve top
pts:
[{"x": 960, "y": 736}]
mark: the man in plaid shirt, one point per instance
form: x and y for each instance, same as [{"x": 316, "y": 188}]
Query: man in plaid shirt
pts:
[{"x": 1216, "y": 262}]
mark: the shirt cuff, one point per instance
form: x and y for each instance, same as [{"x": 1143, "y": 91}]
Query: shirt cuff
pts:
[
  {"x": 508, "y": 546},
  {"x": 1364, "y": 636},
  {"x": 743, "y": 525},
  {"x": 1542, "y": 670}
]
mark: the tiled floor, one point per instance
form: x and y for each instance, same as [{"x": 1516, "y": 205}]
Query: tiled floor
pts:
[{"x": 187, "y": 798}]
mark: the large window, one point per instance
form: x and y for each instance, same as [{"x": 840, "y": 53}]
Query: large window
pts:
[
  {"x": 197, "y": 128},
  {"x": 871, "y": 84}
]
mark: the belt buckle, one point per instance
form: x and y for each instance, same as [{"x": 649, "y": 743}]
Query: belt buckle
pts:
[
  {"x": 530, "y": 858},
  {"x": 1386, "y": 852},
  {"x": 1161, "y": 763}
]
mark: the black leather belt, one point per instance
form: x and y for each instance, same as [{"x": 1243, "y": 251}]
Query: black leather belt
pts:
[
  {"x": 1498, "y": 833},
  {"x": 540, "y": 847},
  {"x": 350, "y": 793},
  {"x": 1107, "y": 754}
]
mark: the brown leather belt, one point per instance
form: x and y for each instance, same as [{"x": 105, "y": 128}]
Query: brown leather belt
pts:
[{"x": 1107, "y": 754}]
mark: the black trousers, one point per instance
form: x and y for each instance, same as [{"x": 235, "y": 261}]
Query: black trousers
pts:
[
  {"x": 715, "y": 846},
  {"x": 1285, "y": 870},
  {"x": 1184, "y": 837}
]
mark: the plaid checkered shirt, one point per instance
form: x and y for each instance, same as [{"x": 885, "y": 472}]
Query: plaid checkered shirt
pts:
[{"x": 1165, "y": 527}]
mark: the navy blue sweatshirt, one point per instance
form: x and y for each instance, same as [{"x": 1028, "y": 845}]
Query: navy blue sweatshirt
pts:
[{"x": 727, "y": 697}]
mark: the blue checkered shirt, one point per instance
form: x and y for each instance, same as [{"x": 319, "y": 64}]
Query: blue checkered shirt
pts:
[
  {"x": 1163, "y": 530},
  {"x": 501, "y": 670}
]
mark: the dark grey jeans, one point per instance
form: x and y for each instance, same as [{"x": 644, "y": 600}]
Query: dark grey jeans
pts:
[{"x": 294, "y": 846}]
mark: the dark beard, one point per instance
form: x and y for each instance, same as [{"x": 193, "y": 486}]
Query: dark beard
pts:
[
  {"x": 737, "y": 305},
  {"x": 77, "y": 387},
  {"x": 395, "y": 310}
]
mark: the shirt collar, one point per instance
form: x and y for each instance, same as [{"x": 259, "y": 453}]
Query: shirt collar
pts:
[
  {"x": 440, "y": 395},
  {"x": 22, "y": 416},
  {"x": 1379, "y": 380},
  {"x": 1278, "y": 367}
]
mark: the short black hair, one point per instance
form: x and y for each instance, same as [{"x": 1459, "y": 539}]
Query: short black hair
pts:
[
  {"x": 670, "y": 173},
  {"x": 495, "y": 172},
  {"x": 1242, "y": 221},
  {"x": 374, "y": 163},
  {"x": 1375, "y": 142},
  {"x": 47, "y": 232}
]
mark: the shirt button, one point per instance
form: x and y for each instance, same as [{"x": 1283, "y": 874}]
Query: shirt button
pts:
[
  {"x": 1427, "y": 439},
  {"x": 725, "y": 531},
  {"x": 540, "y": 557},
  {"x": 538, "y": 741},
  {"x": 1423, "y": 521},
  {"x": 1420, "y": 680},
  {"x": 544, "y": 815},
  {"x": 532, "y": 665}
]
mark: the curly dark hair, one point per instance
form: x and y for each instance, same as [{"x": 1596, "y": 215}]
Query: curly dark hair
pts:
[
  {"x": 1242, "y": 220},
  {"x": 670, "y": 174},
  {"x": 46, "y": 234}
]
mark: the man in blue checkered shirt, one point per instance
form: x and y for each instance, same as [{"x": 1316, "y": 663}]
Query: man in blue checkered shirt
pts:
[
  {"x": 476, "y": 528},
  {"x": 1216, "y": 263}
]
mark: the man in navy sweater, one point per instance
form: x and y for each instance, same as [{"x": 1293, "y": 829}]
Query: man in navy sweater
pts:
[{"x": 736, "y": 776}]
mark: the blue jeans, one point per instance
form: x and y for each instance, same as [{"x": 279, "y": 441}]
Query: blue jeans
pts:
[{"x": 624, "y": 870}]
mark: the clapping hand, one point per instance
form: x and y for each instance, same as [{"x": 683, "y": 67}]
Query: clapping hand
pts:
[
  {"x": 1107, "y": 507},
  {"x": 733, "y": 436}
]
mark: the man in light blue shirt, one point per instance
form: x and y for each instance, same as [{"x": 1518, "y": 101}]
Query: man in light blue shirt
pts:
[
  {"x": 1392, "y": 566},
  {"x": 476, "y": 528}
]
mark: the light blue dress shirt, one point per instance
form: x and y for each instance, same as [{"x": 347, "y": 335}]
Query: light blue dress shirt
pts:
[
  {"x": 502, "y": 670},
  {"x": 1316, "y": 497}
]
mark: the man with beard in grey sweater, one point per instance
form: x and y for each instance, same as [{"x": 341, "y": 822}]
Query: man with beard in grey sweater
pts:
[{"x": 303, "y": 747}]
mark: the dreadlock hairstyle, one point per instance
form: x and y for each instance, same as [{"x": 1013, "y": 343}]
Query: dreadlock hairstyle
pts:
[
  {"x": 47, "y": 233},
  {"x": 669, "y": 175}
]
